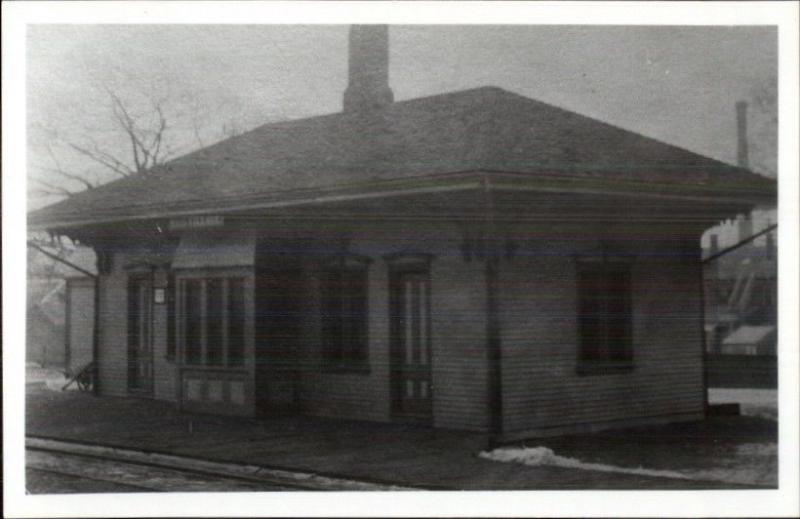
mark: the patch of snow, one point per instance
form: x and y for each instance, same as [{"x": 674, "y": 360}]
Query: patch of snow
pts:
[
  {"x": 537, "y": 456},
  {"x": 48, "y": 378},
  {"x": 750, "y": 464}
]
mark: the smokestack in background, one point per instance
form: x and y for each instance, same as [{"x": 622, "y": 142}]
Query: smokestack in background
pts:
[
  {"x": 742, "y": 159},
  {"x": 368, "y": 69}
]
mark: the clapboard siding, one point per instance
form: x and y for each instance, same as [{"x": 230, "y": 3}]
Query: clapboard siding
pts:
[
  {"x": 458, "y": 330},
  {"x": 541, "y": 387},
  {"x": 360, "y": 396},
  {"x": 113, "y": 337},
  {"x": 537, "y": 298},
  {"x": 80, "y": 322},
  {"x": 458, "y": 318},
  {"x": 164, "y": 370}
]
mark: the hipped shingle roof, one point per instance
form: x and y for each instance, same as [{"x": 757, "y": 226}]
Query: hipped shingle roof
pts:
[{"x": 481, "y": 130}]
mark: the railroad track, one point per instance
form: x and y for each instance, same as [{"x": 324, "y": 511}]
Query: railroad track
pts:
[
  {"x": 149, "y": 471},
  {"x": 144, "y": 476},
  {"x": 47, "y": 481}
]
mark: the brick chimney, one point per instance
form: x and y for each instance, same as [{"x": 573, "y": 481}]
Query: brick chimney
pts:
[
  {"x": 741, "y": 135},
  {"x": 368, "y": 69}
]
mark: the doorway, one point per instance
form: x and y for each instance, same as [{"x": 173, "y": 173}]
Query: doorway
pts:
[
  {"x": 140, "y": 335},
  {"x": 410, "y": 329}
]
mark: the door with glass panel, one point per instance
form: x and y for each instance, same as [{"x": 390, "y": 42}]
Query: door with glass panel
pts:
[
  {"x": 140, "y": 335},
  {"x": 411, "y": 345}
]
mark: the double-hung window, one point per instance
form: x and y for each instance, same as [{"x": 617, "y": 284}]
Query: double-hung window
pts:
[
  {"x": 344, "y": 314},
  {"x": 604, "y": 316}
]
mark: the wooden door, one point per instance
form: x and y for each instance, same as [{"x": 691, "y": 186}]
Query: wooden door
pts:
[
  {"x": 140, "y": 335},
  {"x": 411, "y": 346}
]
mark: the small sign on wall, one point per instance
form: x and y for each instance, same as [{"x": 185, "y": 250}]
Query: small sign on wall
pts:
[{"x": 159, "y": 296}]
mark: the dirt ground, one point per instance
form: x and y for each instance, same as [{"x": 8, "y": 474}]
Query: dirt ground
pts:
[
  {"x": 721, "y": 452},
  {"x": 736, "y": 449},
  {"x": 41, "y": 482}
]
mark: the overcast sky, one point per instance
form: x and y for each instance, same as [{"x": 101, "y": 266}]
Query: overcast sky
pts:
[{"x": 677, "y": 84}]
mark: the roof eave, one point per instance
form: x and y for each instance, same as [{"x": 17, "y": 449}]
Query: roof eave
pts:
[{"x": 430, "y": 184}]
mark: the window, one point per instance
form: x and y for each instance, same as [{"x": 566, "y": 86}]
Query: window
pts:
[
  {"x": 212, "y": 320},
  {"x": 344, "y": 286},
  {"x": 604, "y": 317}
]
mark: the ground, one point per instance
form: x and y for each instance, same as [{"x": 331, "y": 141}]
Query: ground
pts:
[
  {"x": 50, "y": 472},
  {"x": 736, "y": 449},
  {"x": 44, "y": 482},
  {"x": 722, "y": 452}
]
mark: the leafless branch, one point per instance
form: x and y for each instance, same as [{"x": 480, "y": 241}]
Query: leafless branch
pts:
[
  {"x": 231, "y": 129},
  {"x": 147, "y": 153},
  {"x": 145, "y": 134},
  {"x": 62, "y": 172},
  {"x": 48, "y": 189},
  {"x": 157, "y": 138},
  {"x": 104, "y": 159}
]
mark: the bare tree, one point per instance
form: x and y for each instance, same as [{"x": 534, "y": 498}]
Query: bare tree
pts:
[
  {"x": 52, "y": 188},
  {"x": 145, "y": 134}
]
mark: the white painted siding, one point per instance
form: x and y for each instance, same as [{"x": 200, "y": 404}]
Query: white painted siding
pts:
[
  {"x": 460, "y": 365},
  {"x": 458, "y": 328},
  {"x": 80, "y": 322},
  {"x": 113, "y": 336},
  {"x": 541, "y": 387}
]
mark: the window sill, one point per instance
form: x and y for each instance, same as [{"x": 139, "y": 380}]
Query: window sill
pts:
[
  {"x": 603, "y": 367},
  {"x": 346, "y": 370},
  {"x": 212, "y": 367}
]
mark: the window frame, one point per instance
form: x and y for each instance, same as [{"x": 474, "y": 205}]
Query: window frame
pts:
[
  {"x": 226, "y": 278},
  {"x": 338, "y": 354},
  {"x": 607, "y": 357}
]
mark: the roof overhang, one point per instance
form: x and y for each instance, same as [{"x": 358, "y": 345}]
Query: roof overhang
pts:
[{"x": 482, "y": 181}]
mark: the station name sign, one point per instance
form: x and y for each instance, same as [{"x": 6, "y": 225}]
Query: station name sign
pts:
[{"x": 196, "y": 222}]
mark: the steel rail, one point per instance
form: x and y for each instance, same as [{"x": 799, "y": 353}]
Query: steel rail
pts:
[
  {"x": 90, "y": 478},
  {"x": 200, "y": 472},
  {"x": 263, "y": 477}
]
